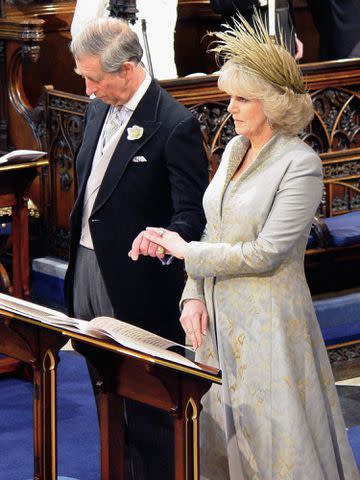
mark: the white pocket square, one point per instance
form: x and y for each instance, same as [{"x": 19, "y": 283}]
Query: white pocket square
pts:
[{"x": 139, "y": 159}]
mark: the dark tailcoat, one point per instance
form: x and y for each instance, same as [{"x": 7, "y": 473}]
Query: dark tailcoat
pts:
[
  {"x": 166, "y": 190},
  {"x": 338, "y": 23}
]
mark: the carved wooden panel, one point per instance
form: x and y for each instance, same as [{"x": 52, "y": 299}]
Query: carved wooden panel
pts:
[
  {"x": 217, "y": 129},
  {"x": 65, "y": 126},
  {"x": 344, "y": 355},
  {"x": 341, "y": 171},
  {"x": 123, "y": 9},
  {"x": 33, "y": 2},
  {"x": 337, "y": 124}
]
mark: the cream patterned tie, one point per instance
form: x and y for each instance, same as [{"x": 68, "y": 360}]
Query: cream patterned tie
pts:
[{"x": 114, "y": 122}]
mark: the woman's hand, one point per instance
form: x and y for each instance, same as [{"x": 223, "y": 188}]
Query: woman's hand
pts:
[
  {"x": 170, "y": 242},
  {"x": 194, "y": 320}
]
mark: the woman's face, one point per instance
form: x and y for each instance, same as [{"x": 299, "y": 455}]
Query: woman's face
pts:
[{"x": 249, "y": 117}]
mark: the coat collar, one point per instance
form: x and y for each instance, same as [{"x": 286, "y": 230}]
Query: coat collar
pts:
[{"x": 266, "y": 156}]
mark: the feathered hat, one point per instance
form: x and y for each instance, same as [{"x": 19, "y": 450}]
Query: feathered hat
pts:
[{"x": 254, "y": 50}]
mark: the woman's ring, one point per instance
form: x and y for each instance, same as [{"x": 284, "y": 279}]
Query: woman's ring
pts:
[{"x": 160, "y": 250}]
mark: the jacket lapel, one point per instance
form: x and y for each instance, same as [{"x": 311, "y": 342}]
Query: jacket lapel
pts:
[
  {"x": 144, "y": 116},
  {"x": 236, "y": 155},
  {"x": 95, "y": 120}
]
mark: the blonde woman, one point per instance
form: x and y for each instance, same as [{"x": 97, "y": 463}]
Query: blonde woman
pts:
[{"x": 246, "y": 302}]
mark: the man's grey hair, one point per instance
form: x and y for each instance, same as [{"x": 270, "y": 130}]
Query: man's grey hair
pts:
[{"x": 110, "y": 39}]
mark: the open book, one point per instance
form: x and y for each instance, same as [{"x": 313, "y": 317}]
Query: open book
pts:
[
  {"x": 106, "y": 328},
  {"x": 19, "y": 156}
]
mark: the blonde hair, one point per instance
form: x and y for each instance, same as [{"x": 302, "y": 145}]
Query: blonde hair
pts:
[{"x": 287, "y": 112}]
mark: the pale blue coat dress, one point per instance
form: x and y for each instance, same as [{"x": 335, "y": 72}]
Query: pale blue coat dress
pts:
[{"x": 276, "y": 415}]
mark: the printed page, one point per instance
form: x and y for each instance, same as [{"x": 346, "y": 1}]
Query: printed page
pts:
[
  {"x": 136, "y": 338},
  {"x": 37, "y": 312},
  {"x": 117, "y": 330},
  {"x": 18, "y": 156}
]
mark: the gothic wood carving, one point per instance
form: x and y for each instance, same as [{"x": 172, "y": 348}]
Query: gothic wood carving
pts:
[
  {"x": 344, "y": 355},
  {"x": 3, "y": 100},
  {"x": 27, "y": 34},
  {"x": 65, "y": 126},
  {"x": 33, "y": 2},
  {"x": 341, "y": 181},
  {"x": 123, "y": 9}
]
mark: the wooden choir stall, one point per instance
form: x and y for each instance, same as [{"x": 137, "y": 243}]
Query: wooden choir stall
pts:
[{"x": 15, "y": 182}]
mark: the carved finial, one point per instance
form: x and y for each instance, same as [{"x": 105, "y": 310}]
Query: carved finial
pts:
[{"x": 125, "y": 9}]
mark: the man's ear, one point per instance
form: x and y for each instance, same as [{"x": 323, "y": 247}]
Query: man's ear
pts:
[{"x": 126, "y": 69}]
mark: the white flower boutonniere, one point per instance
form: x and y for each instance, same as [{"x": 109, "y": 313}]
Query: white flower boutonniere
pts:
[{"x": 135, "y": 132}]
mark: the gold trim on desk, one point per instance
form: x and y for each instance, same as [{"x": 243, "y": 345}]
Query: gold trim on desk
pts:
[
  {"x": 194, "y": 441},
  {"x": 143, "y": 356},
  {"x": 49, "y": 375},
  {"x": 20, "y": 166},
  {"x": 215, "y": 378},
  {"x": 343, "y": 344}
]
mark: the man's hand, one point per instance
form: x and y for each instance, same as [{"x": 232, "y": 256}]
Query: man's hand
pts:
[
  {"x": 194, "y": 320},
  {"x": 143, "y": 246}
]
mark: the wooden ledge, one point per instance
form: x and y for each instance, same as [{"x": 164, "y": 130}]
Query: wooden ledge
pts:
[{"x": 28, "y": 30}]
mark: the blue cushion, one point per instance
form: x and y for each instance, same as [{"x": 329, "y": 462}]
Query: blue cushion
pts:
[
  {"x": 339, "y": 318},
  {"x": 344, "y": 229},
  {"x": 47, "y": 290},
  {"x": 47, "y": 281},
  {"x": 354, "y": 439},
  {"x": 5, "y": 227}
]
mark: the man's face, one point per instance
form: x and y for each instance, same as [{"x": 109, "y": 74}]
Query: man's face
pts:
[{"x": 111, "y": 88}]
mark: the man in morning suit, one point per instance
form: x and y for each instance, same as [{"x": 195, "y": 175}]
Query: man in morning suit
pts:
[{"x": 141, "y": 163}]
